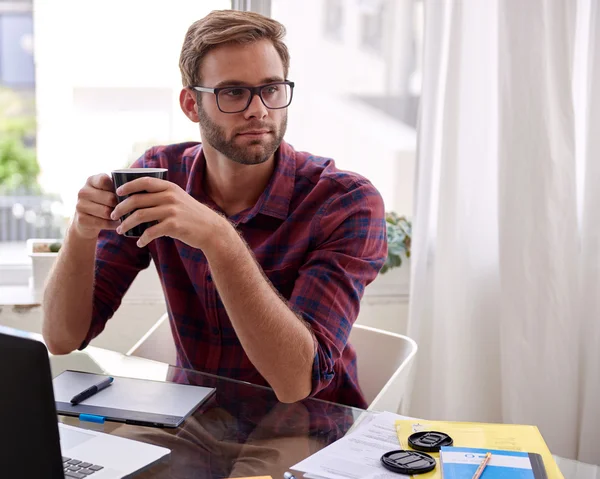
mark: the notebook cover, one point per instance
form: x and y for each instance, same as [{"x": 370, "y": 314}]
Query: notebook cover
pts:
[
  {"x": 133, "y": 401},
  {"x": 462, "y": 462}
]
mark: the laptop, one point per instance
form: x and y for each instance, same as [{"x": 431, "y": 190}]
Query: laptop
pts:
[{"x": 32, "y": 442}]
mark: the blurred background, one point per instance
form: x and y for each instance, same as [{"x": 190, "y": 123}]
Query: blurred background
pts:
[{"x": 87, "y": 86}]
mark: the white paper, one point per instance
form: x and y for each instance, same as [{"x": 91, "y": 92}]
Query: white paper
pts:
[{"x": 358, "y": 454}]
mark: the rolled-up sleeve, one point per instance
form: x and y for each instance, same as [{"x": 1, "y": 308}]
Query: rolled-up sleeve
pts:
[
  {"x": 118, "y": 261},
  {"x": 350, "y": 249}
]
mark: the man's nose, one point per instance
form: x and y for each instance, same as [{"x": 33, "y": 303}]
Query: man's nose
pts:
[{"x": 256, "y": 109}]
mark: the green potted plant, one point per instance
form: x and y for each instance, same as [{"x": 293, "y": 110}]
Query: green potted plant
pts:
[
  {"x": 43, "y": 253},
  {"x": 399, "y": 232}
]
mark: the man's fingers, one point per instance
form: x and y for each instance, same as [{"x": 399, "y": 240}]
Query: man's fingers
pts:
[
  {"x": 102, "y": 197},
  {"x": 147, "y": 183},
  {"x": 101, "y": 182},
  {"x": 145, "y": 215},
  {"x": 136, "y": 202},
  {"x": 108, "y": 224},
  {"x": 90, "y": 222},
  {"x": 91, "y": 208},
  {"x": 156, "y": 231}
]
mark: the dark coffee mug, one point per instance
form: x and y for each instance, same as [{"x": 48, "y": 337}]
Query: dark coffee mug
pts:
[{"x": 120, "y": 177}]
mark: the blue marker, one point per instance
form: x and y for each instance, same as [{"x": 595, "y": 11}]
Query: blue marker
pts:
[{"x": 89, "y": 392}]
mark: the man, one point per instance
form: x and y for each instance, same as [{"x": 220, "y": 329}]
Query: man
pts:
[{"x": 263, "y": 251}]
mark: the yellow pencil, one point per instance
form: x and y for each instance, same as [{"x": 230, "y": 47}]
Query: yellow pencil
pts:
[{"x": 481, "y": 467}]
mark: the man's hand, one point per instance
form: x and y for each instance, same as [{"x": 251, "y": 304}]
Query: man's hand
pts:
[
  {"x": 179, "y": 215},
  {"x": 95, "y": 203}
]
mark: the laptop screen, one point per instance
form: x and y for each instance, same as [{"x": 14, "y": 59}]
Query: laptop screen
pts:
[{"x": 29, "y": 444}]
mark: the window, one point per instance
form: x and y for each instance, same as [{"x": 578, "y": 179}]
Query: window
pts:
[
  {"x": 334, "y": 19},
  {"x": 16, "y": 49},
  {"x": 356, "y": 101},
  {"x": 24, "y": 211},
  {"x": 96, "y": 101},
  {"x": 103, "y": 89},
  {"x": 372, "y": 26}
]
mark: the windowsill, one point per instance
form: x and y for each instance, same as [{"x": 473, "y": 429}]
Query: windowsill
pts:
[
  {"x": 14, "y": 274},
  {"x": 15, "y": 264},
  {"x": 14, "y": 252},
  {"x": 17, "y": 285},
  {"x": 19, "y": 296}
]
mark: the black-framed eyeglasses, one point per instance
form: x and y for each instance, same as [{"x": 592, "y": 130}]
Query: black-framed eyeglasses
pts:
[{"x": 235, "y": 99}]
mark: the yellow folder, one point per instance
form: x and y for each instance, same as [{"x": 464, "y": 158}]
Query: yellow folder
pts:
[{"x": 508, "y": 437}]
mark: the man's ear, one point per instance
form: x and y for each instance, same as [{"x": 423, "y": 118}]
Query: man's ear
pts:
[{"x": 187, "y": 102}]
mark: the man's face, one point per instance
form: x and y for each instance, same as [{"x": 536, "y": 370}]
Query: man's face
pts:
[{"x": 252, "y": 136}]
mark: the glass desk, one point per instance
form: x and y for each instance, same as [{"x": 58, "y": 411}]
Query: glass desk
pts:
[{"x": 241, "y": 431}]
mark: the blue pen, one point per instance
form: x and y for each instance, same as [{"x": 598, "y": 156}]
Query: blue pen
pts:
[
  {"x": 288, "y": 475},
  {"x": 89, "y": 392}
]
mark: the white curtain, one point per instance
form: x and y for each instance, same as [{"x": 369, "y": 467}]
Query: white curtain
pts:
[{"x": 505, "y": 300}]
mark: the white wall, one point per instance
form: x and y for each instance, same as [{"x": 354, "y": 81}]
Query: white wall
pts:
[{"x": 386, "y": 301}]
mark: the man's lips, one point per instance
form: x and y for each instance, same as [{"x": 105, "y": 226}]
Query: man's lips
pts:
[{"x": 254, "y": 133}]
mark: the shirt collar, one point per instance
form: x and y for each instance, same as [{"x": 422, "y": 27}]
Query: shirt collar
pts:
[{"x": 275, "y": 199}]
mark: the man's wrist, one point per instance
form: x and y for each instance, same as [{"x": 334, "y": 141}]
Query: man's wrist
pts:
[
  {"x": 223, "y": 241},
  {"x": 73, "y": 234}
]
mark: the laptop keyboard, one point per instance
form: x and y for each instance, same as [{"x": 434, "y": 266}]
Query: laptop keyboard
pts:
[{"x": 79, "y": 469}]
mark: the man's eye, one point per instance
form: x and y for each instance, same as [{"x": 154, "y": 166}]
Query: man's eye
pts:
[
  {"x": 233, "y": 92},
  {"x": 271, "y": 90}
]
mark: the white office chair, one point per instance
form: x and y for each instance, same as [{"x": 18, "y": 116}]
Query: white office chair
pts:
[
  {"x": 384, "y": 360},
  {"x": 157, "y": 344}
]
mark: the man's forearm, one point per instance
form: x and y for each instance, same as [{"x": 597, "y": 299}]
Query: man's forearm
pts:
[
  {"x": 277, "y": 342},
  {"x": 67, "y": 303}
]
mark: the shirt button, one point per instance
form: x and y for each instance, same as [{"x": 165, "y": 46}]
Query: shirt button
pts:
[{"x": 208, "y": 278}]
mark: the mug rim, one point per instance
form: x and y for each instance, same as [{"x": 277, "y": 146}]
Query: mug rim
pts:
[{"x": 139, "y": 170}]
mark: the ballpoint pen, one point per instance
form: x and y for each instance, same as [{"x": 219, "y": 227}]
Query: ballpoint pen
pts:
[
  {"x": 89, "y": 392},
  {"x": 288, "y": 475}
]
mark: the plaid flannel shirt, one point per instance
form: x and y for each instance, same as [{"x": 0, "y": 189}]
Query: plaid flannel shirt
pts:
[{"x": 317, "y": 232}]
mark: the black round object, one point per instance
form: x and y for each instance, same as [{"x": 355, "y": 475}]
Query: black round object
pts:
[
  {"x": 408, "y": 462},
  {"x": 429, "y": 441}
]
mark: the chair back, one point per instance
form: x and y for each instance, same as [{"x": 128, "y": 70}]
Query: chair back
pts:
[
  {"x": 157, "y": 344},
  {"x": 384, "y": 361}
]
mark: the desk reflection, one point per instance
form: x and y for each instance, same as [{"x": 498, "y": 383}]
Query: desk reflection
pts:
[{"x": 242, "y": 431}]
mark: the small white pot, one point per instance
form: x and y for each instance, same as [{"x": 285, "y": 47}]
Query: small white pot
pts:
[{"x": 41, "y": 263}]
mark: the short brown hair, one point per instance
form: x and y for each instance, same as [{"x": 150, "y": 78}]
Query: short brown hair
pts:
[{"x": 221, "y": 27}]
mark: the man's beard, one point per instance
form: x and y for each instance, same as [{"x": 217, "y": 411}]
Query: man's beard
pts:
[{"x": 216, "y": 136}]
